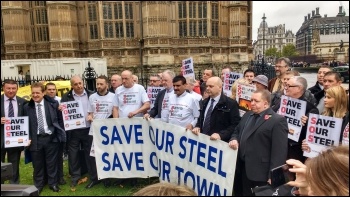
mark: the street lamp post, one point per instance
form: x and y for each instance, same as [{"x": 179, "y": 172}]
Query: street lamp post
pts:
[{"x": 263, "y": 39}]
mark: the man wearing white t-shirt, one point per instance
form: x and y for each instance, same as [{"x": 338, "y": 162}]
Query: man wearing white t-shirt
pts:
[
  {"x": 183, "y": 107},
  {"x": 100, "y": 107},
  {"x": 131, "y": 99}
]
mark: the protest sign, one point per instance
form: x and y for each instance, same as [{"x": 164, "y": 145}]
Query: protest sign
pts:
[
  {"x": 187, "y": 68},
  {"x": 136, "y": 147},
  {"x": 243, "y": 96},
  {"x": 16, "y": 131},
  {"x": 345, "y": 140},
  {"x": 292, "y": 109},
  {"x": 152, "y": 93},
  {"x": 322, "y": 132},
  {"x": 229, "y": 79},
  {"x": 73, "y": 115}
]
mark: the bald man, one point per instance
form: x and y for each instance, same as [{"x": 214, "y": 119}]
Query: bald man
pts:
[
  {"x": 138, "y": 102},
  {"x": 78, "y": 138},
  {"x": 219, "y": 115}
]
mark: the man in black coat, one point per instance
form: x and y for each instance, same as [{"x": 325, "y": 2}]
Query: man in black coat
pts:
[
  {"x": 295, "y": 88},
  {"x": 10, "y": 88},
  {"x": 162, "y": 99},
  {"x": 319, "y": 84},
  {"x": 262, "y": 139},
  {"x": 78, "y": 137},
  {"x": 46, "y": 133},
  {"x": 223, "y": 112}
]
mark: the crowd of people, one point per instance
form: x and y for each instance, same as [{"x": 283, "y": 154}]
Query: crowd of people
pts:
[{"x": 260, "y": 135}]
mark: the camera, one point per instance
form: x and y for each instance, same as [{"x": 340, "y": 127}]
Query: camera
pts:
[{"x": 281, "y": 175}]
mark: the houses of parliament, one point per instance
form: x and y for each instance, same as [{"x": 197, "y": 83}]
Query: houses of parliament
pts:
[{"x": 154, "y": 34}]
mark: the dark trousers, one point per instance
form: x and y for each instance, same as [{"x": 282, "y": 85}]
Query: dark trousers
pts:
[
  {"x": 13, "y": 156},
  {"x": 295, "y": 152},
  {"x": 60, "y": 161},
  {"x": 47, "y": 152},
  {"x": 78, "y": 137},
  {"x": 247, "y": 184},
  {"x": 92, "y": 160}
]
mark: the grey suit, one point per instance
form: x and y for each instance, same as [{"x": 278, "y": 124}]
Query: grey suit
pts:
[{"x": 13, "y": 154}]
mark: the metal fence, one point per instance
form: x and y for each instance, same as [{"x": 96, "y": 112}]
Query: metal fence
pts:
[{"x": 268, "y": 71}]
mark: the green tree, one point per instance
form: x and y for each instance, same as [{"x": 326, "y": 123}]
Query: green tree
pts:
[
  {"x": 289, "y": 51},
  {"x": 271, "y": 52}
]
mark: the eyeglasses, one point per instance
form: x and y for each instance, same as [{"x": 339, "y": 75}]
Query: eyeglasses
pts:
[{"x": 289, "y": 86}]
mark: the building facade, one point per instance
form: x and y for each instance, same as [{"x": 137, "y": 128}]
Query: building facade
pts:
[
  {"x": 144, "y": 35},
  {"x": 271, "y": 37},
  {"x": 321, "y": 36}
]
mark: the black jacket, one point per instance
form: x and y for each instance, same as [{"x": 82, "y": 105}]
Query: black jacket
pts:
[
  {"x": 316, "y": 88},
  {"x": 68, "y": 96},
  {"x": 224, "y": 117},
  {"x": 53, "y": 118}
]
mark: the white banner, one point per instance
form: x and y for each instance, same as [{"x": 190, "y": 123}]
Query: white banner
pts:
[
  {"x": 136, "y": 147},
  {"x": 16, "y": 131},
  {"x": 243, "y": 96},
  {"x": 73, "y": 115},
  {"x": 229, "y": 79},
  {"x": 322, "y": 132},
  {"x": 292, "y": 109},
  {"x": 152, "y": 93},
  {"x": 187, "y": 68}
]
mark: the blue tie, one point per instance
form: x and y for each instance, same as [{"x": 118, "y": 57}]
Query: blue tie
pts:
[
  {"x": 206, "y": 125},
  {"x": 11, "y": 111}
]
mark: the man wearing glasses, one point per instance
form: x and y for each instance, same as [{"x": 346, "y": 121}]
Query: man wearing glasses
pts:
[
  {"x": 295, "y": 88},
  {"x": 282, "y": 66},
  {"x": 154, "y": 81}
]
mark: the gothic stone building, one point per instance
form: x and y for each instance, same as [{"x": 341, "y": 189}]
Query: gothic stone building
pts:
[{"x": 214, "y": 33}]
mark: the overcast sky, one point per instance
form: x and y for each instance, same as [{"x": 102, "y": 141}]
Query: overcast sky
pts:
[{"x": 291, "y": 13}]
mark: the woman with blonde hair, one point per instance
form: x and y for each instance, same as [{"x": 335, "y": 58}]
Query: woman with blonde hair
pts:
[
  {"x": 335, "y": 105},
  {"x": 165, "y": 189},
  {"x": 234, "y": 86},
  {"x": 324, "y": 175}
]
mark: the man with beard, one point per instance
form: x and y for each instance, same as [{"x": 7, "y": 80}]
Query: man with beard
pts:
[
  {"x": 282, "y": 66},
  {"x": 100, "y": 107}
]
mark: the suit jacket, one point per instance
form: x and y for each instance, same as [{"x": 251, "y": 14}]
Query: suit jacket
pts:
[
  {"x": 53, "y": 118},
  {"x": 266, "y": 145},
  {"x": 224, "y": 117},
  {"x": 157, "y": 108},
  {"x": 20, "y": 104}
]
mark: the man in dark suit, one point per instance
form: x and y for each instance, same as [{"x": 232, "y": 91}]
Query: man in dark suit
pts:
[
  {"x": 11, "y": 106},
  {"x": 78, "y": 137},
  {"x": 46, "y": 133},
  {"x": 161, "y": 101},
  {"x": 223, "y": 112},
  {"x": 262, "y": 137}
]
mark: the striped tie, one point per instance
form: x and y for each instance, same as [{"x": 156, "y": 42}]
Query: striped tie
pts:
[
  {"x": 206, "y": 125},
  {"x": 11, "y": 111},
  {"x": 40, "y": 120}
]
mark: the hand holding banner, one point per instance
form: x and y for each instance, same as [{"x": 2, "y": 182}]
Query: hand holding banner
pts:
[
  {"x": 73, "y": 115},
  {"x": 16, "y": 131}
]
